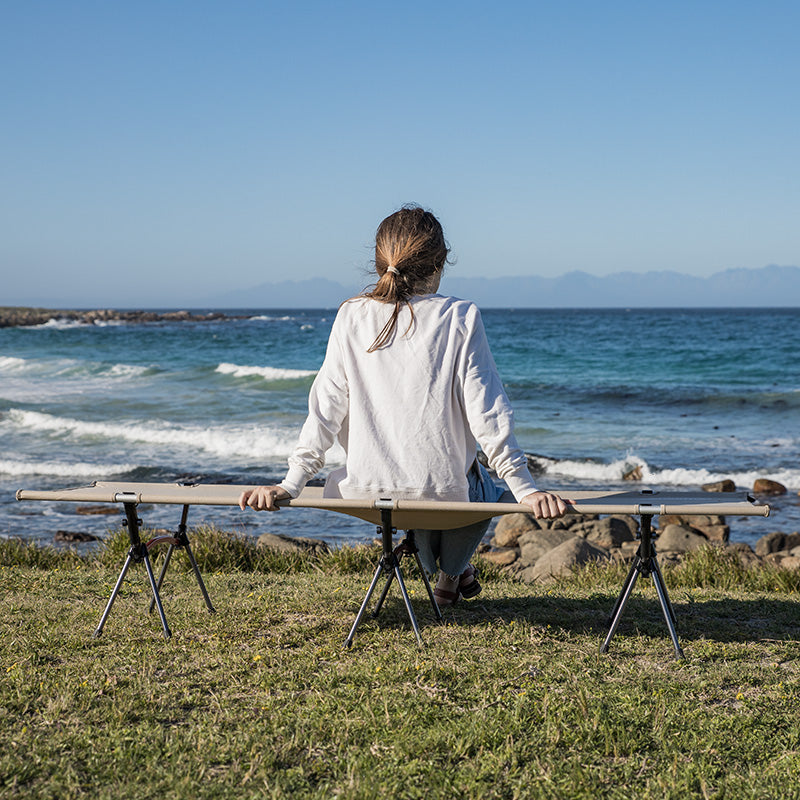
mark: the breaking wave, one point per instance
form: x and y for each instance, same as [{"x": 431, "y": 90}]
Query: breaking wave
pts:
[
  {"x": 614, "y": 472},
  {"x": 62, "y": 469},
  {"x": 222, "y": 441},
  {"x": 268, "y": 373}
]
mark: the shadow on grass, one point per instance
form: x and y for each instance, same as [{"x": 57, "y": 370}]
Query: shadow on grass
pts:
[{"x": 728, "y": 620}]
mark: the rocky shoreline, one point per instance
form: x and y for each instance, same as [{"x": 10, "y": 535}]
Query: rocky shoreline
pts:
[
  {"x": 537, "y": 551},
  {"x": 22, "y": 317}
]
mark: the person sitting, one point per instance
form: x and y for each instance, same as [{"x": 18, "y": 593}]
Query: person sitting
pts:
[{"x": 409, "y": 389}]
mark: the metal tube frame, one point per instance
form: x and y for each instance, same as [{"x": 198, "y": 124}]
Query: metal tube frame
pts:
[
  {"x": 389, "y": 566},
  {"x": 646, "y": 564},
  {"x": 139, "y": 553}
]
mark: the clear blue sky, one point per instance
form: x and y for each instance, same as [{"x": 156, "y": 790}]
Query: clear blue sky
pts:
[{"x": 157, "y": 152}]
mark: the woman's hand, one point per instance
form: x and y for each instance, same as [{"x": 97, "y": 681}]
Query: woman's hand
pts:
[
  {"x": 263, "y": 498},
  {"x": 545, "y": 505}
]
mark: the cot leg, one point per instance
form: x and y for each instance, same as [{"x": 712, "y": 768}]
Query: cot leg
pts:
[
  {"x": 407, "y": 600},
  {"x": 622, "y": 601},
  {"x": 181, "y": 539},
  {"x": 645, "y": 563},
  {"x": 390, "y": 566},
  {"x": 128, "y": 561},
  {"x": 348, "y": 642},
  {"x": 666, "y": 608},
  {"x": 136, "y": 553},
  {"x": 167, "y": 559},
  {"x": 156, "y": 597}
]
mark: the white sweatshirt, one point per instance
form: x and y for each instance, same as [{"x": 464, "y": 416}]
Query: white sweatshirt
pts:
[{"x": 410, "y": 414}]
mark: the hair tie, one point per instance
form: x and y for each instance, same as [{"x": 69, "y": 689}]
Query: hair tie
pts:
[{"x": 393, "y": 270}]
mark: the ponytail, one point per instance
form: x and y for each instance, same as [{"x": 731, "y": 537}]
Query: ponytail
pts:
[{"x": 410, "y": 253}]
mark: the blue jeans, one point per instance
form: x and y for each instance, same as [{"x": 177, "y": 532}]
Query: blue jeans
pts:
[{"x": 454, "y": 548}]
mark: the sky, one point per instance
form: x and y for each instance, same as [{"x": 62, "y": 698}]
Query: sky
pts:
[{"x": 159, "y": 153}]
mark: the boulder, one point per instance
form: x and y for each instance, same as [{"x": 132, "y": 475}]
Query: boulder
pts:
[
  {"x": 74, "y": 537},
  {"x": 679, "y": 539},
  {"x": 791, "y": 562},
  {"x": 511, "y": 526},
  {"x": 747, "y": 558},
  {"x": 770, "y": 543},
  {"x": 726, "y": 485},
  {"x": 502, "y": 557},
  {"x": 292, "y": 544},
  {"x": 97, "y": 510},
  {"x": 610, "y": 532},
  {"x": 534, "y": 544},
  {"x": 563, "y": 559},
  {"x": 712, "y": 526},
  {"x": 766, "y": 486}
]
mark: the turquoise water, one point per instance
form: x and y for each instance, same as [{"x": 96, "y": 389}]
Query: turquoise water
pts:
[{"x": 690, "y": 396}]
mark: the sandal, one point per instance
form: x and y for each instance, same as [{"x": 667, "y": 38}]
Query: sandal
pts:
[
  {"x": 445, "y": 598},
  {"x": 468, "y": 585}
]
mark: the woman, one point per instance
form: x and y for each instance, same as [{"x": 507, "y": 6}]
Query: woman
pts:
[{"x": 409, "y": 388}]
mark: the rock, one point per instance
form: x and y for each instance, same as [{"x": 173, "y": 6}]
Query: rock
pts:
[
  {"x": 610, "y": 532},
  {"x": 563, "y": 559},
  {"x": 534, "y": 544},
  {"x": 502, "y": 557},
  {"x": 777, "y": 541},
  {"x": 511, "y": 526},
  {"x": 791, "y": 562},
  {"x": 292, "y": 544},
  {"x": 712, "y": 526},
  {"x": 632, "y": 474},
  {"x": 747, "y": 558},
  {"x": 766, "y": 486},
  {"x": 726, "y": 485},
  {"x": 678, "y": 539},
  {"x": 73, "y": 537},
  {"x": 96, "y": 510}
]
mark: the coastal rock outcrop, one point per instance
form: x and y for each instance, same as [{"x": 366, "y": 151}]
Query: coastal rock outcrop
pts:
[
  {"x": 292, "y": 544},
  {"x": 536, "y": 550},
  {"x": 768, "y": 487},
  {"x": 16, "y": 316}
]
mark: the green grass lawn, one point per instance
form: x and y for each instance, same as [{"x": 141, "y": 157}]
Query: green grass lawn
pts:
[{"x": 509, "y": 698}]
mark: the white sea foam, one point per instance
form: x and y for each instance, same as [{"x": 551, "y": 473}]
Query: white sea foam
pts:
[
  {"x": 222, "y": 441},
  {"x": 11, "y": 364},
  {"x": 61, "y": 324},
  {"x": 615, "y": 471},
  {"x": 62, "y": 469},
  {"x": 268, "y": 373}
]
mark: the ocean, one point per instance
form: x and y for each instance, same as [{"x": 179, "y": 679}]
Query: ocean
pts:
[{"x": 688, "y": 396}]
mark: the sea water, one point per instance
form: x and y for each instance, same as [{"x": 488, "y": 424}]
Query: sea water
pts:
[{"x": 688, "y": 396}]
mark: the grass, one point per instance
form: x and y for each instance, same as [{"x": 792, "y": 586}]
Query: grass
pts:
[{"x": 510, "y": 698}]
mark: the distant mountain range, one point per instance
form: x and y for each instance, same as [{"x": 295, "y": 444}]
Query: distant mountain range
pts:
[{"x": 767, "y": 286}]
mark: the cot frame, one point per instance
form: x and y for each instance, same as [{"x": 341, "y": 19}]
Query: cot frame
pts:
[{"x": 389, "y": 515}]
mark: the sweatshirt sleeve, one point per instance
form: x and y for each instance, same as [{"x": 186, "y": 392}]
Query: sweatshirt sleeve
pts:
[
  {"x": 327, "y": 414},
  {"x": 488, "y": 410}
]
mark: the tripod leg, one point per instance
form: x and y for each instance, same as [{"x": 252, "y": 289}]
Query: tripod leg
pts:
[
  {"x": 160, "y": 580},
  {"x": 384, "y": 593},
  {"x": 436, "y": 610},
  {"x": 349, "y": 640},
  {"x": 407, "y": 600},
  {"x": 156, "y": 597},
  {"x": 631, "y": 577},
  {"x": 99, "y": 631},
  {"x": 657, "y": 571},
  {"x": 666, "y": 607},
  {"x": 199, "y": 577},
  {"x": 622, "y": 601}
]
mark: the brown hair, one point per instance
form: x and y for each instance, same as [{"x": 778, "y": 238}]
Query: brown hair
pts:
[{"x": 410, "y": 253}]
